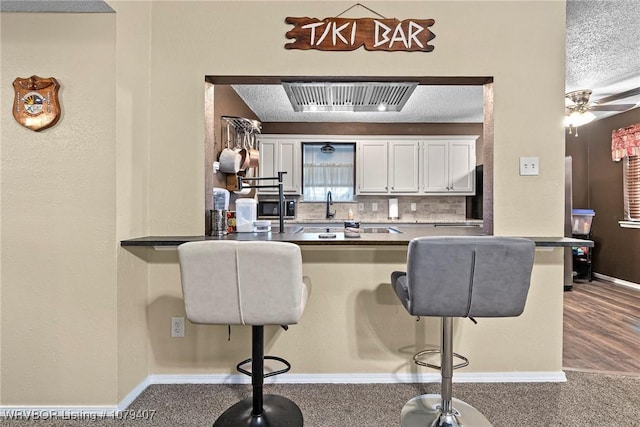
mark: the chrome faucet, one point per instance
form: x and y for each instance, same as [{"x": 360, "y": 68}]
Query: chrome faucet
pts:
[{"x": 329, "y": 203}]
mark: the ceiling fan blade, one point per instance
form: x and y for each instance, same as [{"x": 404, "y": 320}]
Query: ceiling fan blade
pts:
[
  {"x": 621, "y": 95},
  {"x": 612, "y": 107}
]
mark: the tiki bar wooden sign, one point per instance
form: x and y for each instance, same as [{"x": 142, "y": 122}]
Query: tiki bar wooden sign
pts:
[{"x": 342, "y": 34}]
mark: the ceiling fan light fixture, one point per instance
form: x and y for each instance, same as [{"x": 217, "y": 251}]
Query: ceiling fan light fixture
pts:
[{"x": 578, "y": 118}]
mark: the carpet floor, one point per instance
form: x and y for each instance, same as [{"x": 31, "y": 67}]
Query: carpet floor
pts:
[{"x": 586, "y": 399}]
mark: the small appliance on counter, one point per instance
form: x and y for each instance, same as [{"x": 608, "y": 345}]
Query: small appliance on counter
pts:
[
  {"x": 268, "y": 209},
  {"x": 246, "y": 215}
]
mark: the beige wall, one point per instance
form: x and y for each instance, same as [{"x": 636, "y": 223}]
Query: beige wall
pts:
[
  {"x": 127, "y": 159},
  {"x": 59, "y": 306}
]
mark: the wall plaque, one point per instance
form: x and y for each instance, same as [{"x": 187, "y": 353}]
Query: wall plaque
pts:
[
  {"x": 35, "y": 102},
  {"x": 342, "y": 34}
]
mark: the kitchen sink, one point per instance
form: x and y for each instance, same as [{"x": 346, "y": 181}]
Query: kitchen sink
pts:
[{"x": 316, "y": 229}]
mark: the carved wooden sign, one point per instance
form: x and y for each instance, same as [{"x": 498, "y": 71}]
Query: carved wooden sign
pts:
[
  {"x": 35, "y": 102},
  {"x": 342, "y": 34}
]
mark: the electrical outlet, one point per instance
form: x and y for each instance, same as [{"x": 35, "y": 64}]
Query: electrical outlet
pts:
[
  {"x": 529, "y": 166},
  {"x": 361, "y": 207},
  {"x": 177, "y": 327},
  {"x": 413, "y": 207},
  {"x": 374, "y": 207}
]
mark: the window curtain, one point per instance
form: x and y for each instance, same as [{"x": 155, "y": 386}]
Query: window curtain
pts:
[
  {"x": 625, "y": 142},
  {"x": 625, "y": 145},
  {"x": 324, "y": 177}
]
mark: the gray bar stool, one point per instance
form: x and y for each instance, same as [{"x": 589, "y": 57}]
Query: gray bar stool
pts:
[
  {"x": 247, "y": 283},
  {"x": 450, "y": 277}
]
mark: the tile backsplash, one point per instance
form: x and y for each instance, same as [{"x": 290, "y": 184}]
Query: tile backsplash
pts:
[{"x": 428, "y": 208}]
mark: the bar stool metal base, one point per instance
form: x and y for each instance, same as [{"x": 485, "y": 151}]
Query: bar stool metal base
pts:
[
  {"x": 277, "y": 411},
  {"x": 424, "y": 411}
]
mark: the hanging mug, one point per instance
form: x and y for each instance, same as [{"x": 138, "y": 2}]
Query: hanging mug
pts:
[{"x": 230, "y": 160}]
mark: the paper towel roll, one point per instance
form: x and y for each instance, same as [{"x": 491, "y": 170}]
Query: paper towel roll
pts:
[{"x": 393, "y": 209}]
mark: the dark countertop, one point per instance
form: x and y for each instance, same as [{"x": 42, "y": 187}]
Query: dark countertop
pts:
[{"x": 368, "y": 239}]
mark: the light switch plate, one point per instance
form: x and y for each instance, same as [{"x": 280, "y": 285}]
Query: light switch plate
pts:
[
  {"x": 529, "y": 166},
  {"x": 374, "y": 207}
]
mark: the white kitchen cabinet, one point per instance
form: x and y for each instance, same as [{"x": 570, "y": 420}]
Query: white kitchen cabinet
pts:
[
  {"x": 384, "y": 165},
  {"x": 449, "y": 166},
  {"x": 372, "y": 167},
  {"x": 404, "y": 164},
  {"x": 280, "y": 154}
]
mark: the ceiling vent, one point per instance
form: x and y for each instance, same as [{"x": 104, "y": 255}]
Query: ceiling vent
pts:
[{"x": 352, "y": 96}]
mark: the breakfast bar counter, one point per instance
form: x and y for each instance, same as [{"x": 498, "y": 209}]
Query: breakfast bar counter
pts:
[{"x": 400, "y": 236}]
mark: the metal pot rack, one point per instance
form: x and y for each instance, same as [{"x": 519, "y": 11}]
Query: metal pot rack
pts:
[{"x": 243, "y": 125}]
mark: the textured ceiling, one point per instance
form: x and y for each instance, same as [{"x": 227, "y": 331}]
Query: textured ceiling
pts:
[
  {"x": 603, "y": 48},
  {"x": 430, "y": 104}
]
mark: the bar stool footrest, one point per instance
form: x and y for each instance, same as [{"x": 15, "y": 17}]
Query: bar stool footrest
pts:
[
  {"x": 418, "y": 355},
  {"x": 269, "y": 374}
]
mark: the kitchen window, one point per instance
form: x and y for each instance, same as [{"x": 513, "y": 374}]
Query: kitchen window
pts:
[
  {"x": 328, "y": 166},
  {"x": 625, "y": 146}
]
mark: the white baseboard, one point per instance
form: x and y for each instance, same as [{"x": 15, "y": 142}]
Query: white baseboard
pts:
[
  {"x": 133, "y": 394},
  {"x": 617, "y": 281},
  {"x": 462, "y": 377},
  {"x": 89, "y": 413}
]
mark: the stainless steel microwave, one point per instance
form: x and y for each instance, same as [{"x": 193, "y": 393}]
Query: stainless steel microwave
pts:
[{"x": 268, "y": 209}]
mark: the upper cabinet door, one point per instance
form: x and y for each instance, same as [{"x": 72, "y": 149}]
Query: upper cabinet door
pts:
[
  {"x": 449, "y": 166},
  {"x": 404, "y": 162},
  {"x": 289, "y": 161},
  {"x": 462, "y": 163},
  {"x": 268, "y": 156},
  {"x": 280, "y": 155},
  {"x": 436, "y": 167},
  {"x": 372, "y": 167}
]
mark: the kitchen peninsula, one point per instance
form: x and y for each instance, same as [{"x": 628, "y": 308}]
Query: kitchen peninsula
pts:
[{"x": 352, "y": 311}]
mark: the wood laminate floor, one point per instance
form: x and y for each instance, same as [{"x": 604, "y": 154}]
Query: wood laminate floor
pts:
[{"x": 602, "y": 328}]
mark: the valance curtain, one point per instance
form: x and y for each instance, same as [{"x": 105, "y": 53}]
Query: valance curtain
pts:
[{"x": 625, "y": 142}]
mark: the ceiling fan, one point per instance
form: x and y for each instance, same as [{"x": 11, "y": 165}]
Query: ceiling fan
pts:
[{"x": 579, "y": 110}]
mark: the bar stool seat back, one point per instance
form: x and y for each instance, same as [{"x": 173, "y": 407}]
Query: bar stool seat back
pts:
[
  {"x": 461, "y": 276},
  {"x": 247, "y": 283}
]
